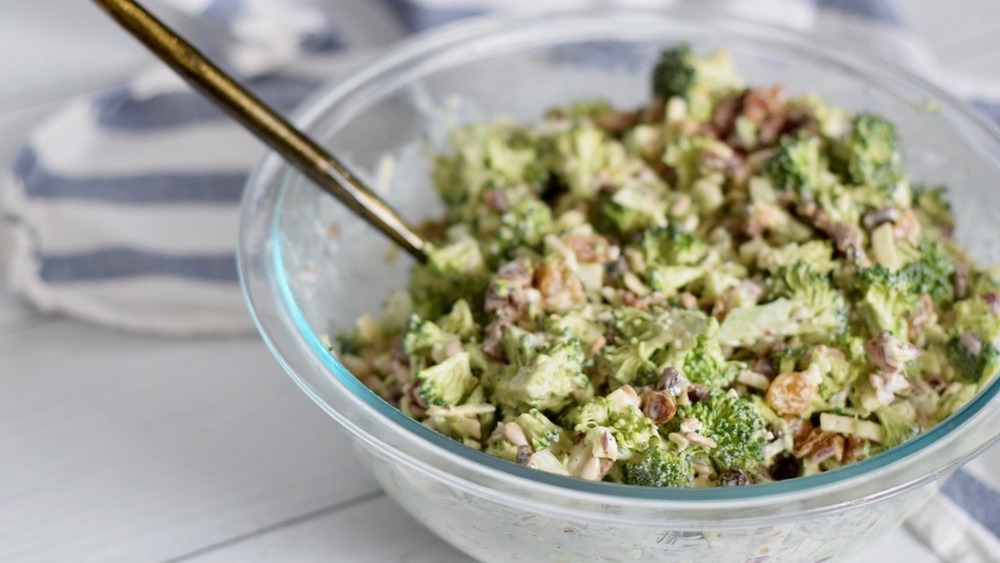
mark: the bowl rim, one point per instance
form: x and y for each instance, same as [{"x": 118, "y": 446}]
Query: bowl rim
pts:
[{"x": 961, "y": 422}]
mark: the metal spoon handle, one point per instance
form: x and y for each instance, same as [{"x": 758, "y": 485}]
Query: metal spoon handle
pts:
[{"x": 298, "y": 149}]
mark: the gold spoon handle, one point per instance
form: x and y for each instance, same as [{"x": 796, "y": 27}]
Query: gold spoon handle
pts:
[{"x": 298, "y": 149}]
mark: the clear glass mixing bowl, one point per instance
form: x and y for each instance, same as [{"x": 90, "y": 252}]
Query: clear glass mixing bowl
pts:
[{"x": 303, "y": 283}]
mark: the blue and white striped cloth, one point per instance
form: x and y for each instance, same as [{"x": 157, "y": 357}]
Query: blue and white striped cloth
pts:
[{"x": 122, "y": 207}]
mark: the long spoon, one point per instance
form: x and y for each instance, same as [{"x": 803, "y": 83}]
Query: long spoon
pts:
[{"x": 295, "y": 146}]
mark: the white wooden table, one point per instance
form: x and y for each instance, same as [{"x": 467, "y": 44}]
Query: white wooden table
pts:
[{"x": 120, "y": 447}]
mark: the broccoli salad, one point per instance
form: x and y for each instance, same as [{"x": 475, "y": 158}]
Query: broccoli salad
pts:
[{"x": 726, "y": 286}]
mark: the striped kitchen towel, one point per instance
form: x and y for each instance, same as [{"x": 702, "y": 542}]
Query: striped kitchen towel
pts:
[{"x": 122, "y": 207}]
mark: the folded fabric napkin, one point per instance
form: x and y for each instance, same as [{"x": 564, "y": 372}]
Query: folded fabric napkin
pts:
[{"x": 122, "y": 207}]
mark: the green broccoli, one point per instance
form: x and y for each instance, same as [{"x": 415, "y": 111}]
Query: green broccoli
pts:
[
  {"x": 732, "y": 422},
  {"x": 807, "y": 304},
  {"x": 632, "y": 208},
  {"x": 870, "y": 153},
  {"x": 680, "y": 73},
  {"x": 525, "y": 223},
  {"x": 933, "y": 210},
  {"x": 825, "y": 304},
  {"x": 706, "y": 365},
  {"x": 538, "y": 429},
  {"x": 897, "y": 426},
  {"x": 459, "y": 321},
  {"x": 972, "y": 359},
  {"x": 672, "y": 246},
  {"x": 448, "y": 382},
  {"x": 424, "y": 339},
  {"x": 797, "y": 166},
  {"x": 818, "y": 254},
  {"x": 686, "y": 156},
  {"x": 659, "y": 467},
  {"x": 494, "y": 155},
  {"x": 550, "y": 382},
  {"x": 619, "y": 412},
  {"x": 931, "y": 273},
  {"x": 630, "y": 362},
  {"x": 886, "y": 299},
  {"x": 453, "y": 271}
]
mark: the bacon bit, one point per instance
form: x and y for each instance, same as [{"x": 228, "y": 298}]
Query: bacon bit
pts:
[
  {"x": 993, "y": 302},
  {"x": 821, "y": 446},
  {"x": 873, "y": 219},
  {"x": 724, "y": 116},
  {"x": 561, "y": 289},
  {"x": 653, "y": 112},
  {"x": 760, "y": 102},
  {"x": 790, "y": 393},
  {"x": 697, "y": 393},
  {"x": 659, "y": 406},
  {"x": 799, "y": 429},
  {"x": 511, "y": 304},
  {"x": 588, "y": 249},
  {"x": 854, "y": 449},
  {"x": 772, "y": 128},
  {"x": 688, "y": 300}
]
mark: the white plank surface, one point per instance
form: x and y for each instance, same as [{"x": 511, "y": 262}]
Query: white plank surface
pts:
[{"x": 120, "y": 447}]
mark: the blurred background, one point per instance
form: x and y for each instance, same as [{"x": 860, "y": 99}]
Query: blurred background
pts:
[{"x": 119, "y": 446}]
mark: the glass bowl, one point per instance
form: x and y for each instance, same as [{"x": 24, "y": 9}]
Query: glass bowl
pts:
[{"x": 303, "y": 282}]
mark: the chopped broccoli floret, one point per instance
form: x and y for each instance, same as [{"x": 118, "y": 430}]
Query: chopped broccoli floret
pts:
[
  {"x": 538, "y": 429},
  {"x": 672, "y": 246},
  {"x": 494, "y": 155},
  {"x": 706, "y": 365},
  {"x": 797, "y": 166},
  {"x": 618, "y": 411},
  {"x": 659, "y": 468},
  {"x": 897, "y": 426},
  {"x": 870, "y": 153},
  {"x": 632, "y": 208},
  {"x": 933, "y": 210},
  {"x": 549, "y": 382},
  {"x": 448, "y": 382},
  {"x": 886, "y": 300},
  {"x": 931, "y": 273},
  {"x": 680, "y": 73},
  {"x": 807, "y": 305},
  {"x": 423, "y": 338},
  {"x": 459, "y": 321},
  {"x": 973, "y": 359},
  {"x": 733, "y": 424},
  {"x": 453, "y": 271},
  {"x": 674, "y": 73},
  {"x": 525, "y": 223}
]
